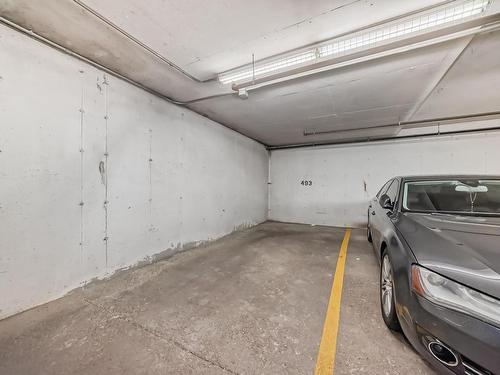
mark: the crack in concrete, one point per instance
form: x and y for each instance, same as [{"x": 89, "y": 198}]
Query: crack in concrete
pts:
[
  {"x": 161, "y": 337},
  {"x": 305, "y": 20}
]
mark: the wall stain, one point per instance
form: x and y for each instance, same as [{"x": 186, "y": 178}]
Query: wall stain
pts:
[
  {"x": 102, "y": 172},
  {"x": 99, "y": 87}
]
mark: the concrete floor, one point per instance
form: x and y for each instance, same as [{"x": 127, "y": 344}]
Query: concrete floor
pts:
[{"x": 251, "y": 303}]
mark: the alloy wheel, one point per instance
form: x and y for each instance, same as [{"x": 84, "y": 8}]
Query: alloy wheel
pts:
[{"x": 386, "y": 287}]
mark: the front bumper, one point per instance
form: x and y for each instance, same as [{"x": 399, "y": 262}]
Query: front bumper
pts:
[{"x": 475, "y": 343}]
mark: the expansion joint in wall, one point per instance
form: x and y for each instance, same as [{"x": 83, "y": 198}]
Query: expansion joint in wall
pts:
[
  {"x": 150, "y": 165},
  {"x": 105, "y": 172},
  {"x": 81, "y": 151}
]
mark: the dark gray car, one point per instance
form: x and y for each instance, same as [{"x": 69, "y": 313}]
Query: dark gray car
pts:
[{"x": 438, "y": 242}]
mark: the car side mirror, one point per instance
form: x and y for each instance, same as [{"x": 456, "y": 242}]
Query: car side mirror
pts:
[{"x": 385, "y": 202}]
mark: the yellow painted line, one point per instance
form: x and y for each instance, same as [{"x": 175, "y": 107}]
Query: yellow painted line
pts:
[{"x": 327, "y": 348}]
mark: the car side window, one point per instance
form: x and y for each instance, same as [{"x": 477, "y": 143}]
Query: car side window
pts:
[
  {"x": 392, "y": 192},
  {"x": 384, "y": 189}
]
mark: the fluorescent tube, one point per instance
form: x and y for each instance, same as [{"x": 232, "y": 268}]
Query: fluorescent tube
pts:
[{"x": 398, "y": 29}]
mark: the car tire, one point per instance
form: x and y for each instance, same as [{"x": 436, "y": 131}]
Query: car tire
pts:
[{"x": 387, "y": 292}]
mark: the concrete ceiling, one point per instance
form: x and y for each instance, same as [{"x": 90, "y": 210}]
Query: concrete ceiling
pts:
[
  {"x": 205, "y": 38},
  {"x": 170, "y": 46},
  {"x": 360, "y": 96}
]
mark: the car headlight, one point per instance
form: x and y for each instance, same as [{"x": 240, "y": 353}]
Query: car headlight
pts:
[{"x": 447, "y": 293}]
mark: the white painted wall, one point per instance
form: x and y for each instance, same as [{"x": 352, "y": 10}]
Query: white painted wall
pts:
[
  {"x": 339, "y": 174},
  {"x": 203, "y": 182}
]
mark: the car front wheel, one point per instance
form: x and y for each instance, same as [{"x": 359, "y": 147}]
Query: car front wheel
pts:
[{"x": 387, "y": 292}]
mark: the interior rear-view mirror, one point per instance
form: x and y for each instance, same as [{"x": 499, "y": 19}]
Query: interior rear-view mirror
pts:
[{"x": 472, "y": 189}]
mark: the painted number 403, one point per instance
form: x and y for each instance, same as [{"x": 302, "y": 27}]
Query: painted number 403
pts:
[{"x": 306, "y": 182}]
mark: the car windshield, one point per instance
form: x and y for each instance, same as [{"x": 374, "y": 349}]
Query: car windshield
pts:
[{"x": 465, "y": 196}]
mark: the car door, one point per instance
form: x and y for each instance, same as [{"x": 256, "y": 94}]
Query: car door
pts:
[{"x": 380, "y": 215}]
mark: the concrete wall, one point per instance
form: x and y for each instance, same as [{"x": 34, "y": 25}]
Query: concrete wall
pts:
[
  {"x": 68, "y": 213},
  {"x": 344, "y": 178}
]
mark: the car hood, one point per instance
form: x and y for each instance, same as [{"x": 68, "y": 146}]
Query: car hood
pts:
[{"x": 463, "y": 248}]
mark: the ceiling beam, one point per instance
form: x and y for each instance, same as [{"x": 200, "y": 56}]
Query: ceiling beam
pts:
[
  {"x": 438, "y": 79},
  {"x": 372, "y": 140}
]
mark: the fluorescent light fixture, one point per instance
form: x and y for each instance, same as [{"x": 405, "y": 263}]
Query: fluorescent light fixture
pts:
[{"x": 398, "y": 29}]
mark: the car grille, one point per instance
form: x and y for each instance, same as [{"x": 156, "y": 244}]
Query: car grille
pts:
[{"x": 471, "y": 368}]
